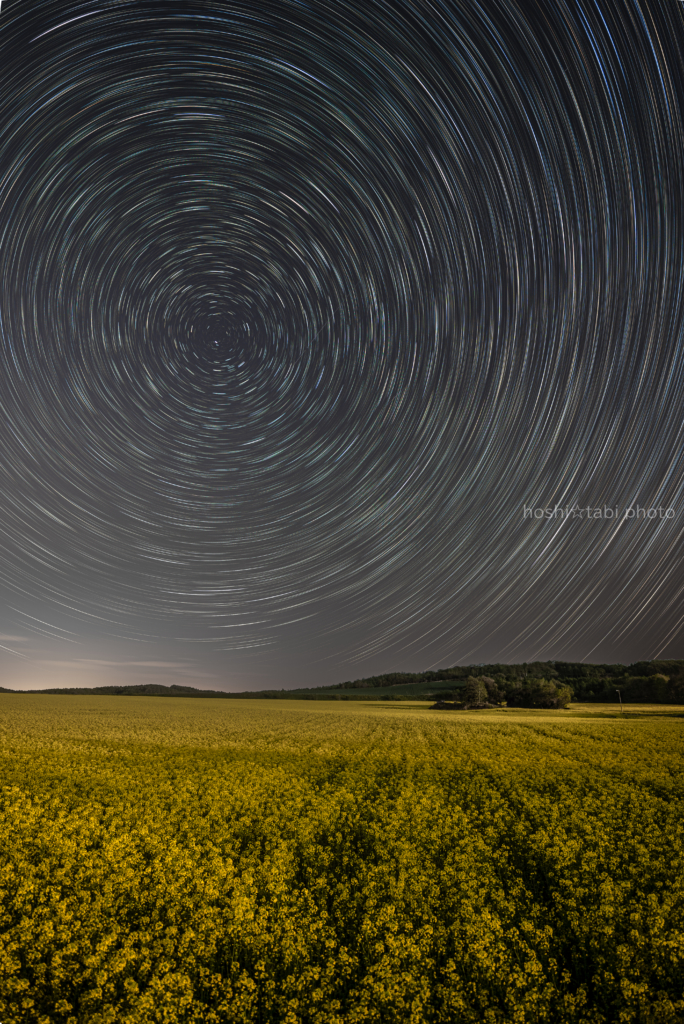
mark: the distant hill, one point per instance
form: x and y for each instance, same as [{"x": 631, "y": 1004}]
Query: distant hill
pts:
[
  {"x": 659, "y": 682},
  {"x": 145, "y": 690}
]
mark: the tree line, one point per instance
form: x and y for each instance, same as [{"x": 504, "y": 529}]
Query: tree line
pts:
[{"x": 533, "y": 684}]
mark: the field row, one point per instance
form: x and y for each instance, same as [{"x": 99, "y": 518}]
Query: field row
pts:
[{"x": 173, "y": 861}]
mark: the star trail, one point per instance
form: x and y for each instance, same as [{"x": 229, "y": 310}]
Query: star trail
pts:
[{"x": 302, "y": 303}]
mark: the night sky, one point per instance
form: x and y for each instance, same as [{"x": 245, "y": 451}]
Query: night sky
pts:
[{"x": 301, "y": 305}]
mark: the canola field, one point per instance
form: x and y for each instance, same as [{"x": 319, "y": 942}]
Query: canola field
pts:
[{"x": 167, "y": 860}]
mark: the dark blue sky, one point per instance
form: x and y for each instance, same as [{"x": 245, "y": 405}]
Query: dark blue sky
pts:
[{"x": 302, "y": 303}]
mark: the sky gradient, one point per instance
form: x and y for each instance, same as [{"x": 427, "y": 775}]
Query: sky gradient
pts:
[{"x": 301, "y": 305}]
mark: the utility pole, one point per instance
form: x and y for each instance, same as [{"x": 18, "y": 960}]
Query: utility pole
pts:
[{"x": 622, "y": 709}]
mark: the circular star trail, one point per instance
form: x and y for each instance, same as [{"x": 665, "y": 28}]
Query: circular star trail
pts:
[{"x": 301, "y": 303}]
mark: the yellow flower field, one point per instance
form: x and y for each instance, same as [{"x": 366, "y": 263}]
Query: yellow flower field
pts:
[{"x": 324, "y": 863}]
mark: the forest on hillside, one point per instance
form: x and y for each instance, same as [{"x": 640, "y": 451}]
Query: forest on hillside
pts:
[
  {"x": 533, "y": 684},
  {"x": 659, "y": 682}
]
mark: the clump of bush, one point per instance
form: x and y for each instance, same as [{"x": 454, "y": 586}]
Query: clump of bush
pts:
[
  {"x": 481, "y": 692},
  {"x": 539, "y": 693}
]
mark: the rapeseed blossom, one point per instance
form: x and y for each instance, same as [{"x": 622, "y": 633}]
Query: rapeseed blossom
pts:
[{"x": 196, "y": 862}]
